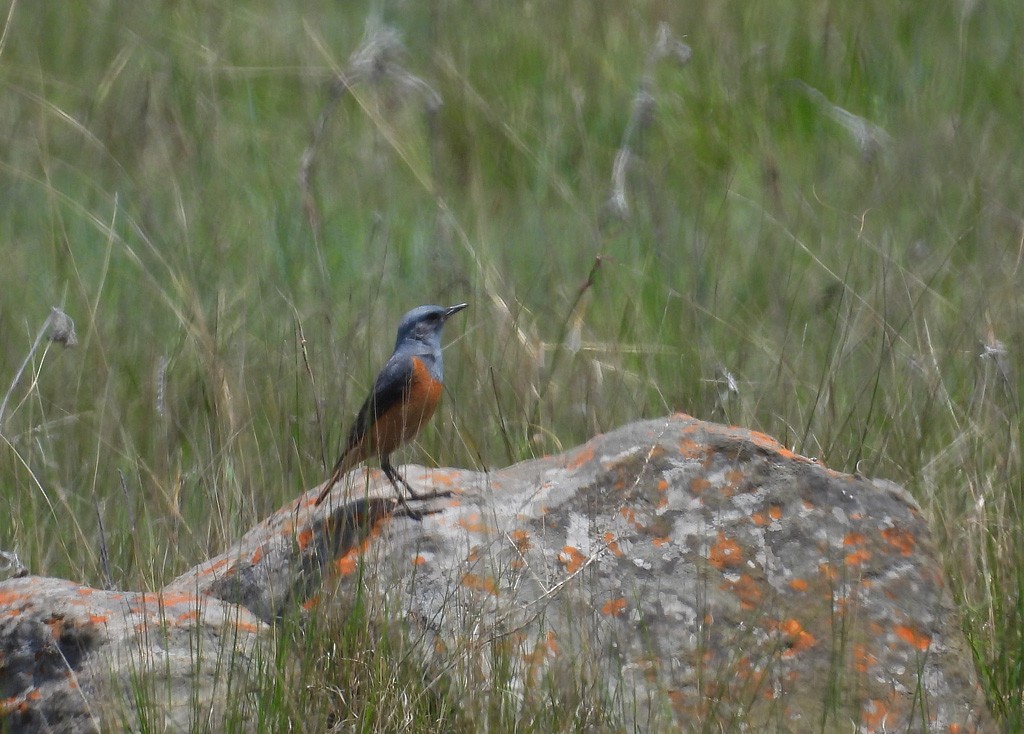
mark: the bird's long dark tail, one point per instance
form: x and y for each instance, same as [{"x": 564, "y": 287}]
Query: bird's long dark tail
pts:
[{"x": 340, "y": 469}]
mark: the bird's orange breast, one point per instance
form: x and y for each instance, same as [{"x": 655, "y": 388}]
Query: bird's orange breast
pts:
[{"x": 405, "y": 419}]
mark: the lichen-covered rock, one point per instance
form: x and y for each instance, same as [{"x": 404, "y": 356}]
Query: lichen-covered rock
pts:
[
  {"x": 699, "y": 574},
  {"x": 71, "y": 657},
  {"x": 702, "y": 573}
]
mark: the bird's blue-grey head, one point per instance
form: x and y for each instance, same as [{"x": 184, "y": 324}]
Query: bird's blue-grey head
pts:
[{"x": 422, "y": 326}]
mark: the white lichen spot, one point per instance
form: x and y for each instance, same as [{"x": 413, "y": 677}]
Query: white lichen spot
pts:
[
  {"x": 614, "y": 459},
  {"x": 750, "y": 501},
  {"x": 578, "y": 534}
]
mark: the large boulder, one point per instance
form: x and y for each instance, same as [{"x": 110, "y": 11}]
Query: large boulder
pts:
[{"x": 697, "y": 574}]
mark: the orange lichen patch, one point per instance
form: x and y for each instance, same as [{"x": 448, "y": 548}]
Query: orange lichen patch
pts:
[
  {"x": 572, "y": 559},
  {"x": 767, "y": 442},
  {"x": 545, "y": 648},
  {"x": 247, "y": 627},
  {"x": 808, "y": 505},
  {"x": 537, "y": 657},
  {"x": 828, "y": 571},
  {"x": 913, "y": 637},
  {"x": 853, "y": 539},
  {"x": 775, "y": 512},
  {"x": 579, "y": 458},
  {"x": 473, "y": 523},
  {"x": 215, "y": 566},
  {"x": 444, "y": 478},
  {"x": 687, "y": 706},
  {"x": 759, "y": 519},
  {"x": 690, "y": 448},
  {"x": 552, "y": 642},
  {"x": 9, "y": 597},
  {"x": 725, "y": 553},
  {"x": 305, "y": 538},
  {"x": 661, "y": 541},
  {"x": 877, "y": 715},
  {"x": 901, "y": 540},
  {"x": 747, "y": 590},
  {"x": 699, "y": 485},
  {"x": 613, "y": 545},
  {"x": 734, "y": 478},
  {"x": 629, "y": 514},
  {"x": 521, "y": 538},
  {"x": 791, "y": 627},
  {"x": 189, "y": 616},
  {"x": 480, "y": 583},
  {"x": 180, "y": 597},
  {"x": 419, "y": 560},
  {"x": 662, "y": 502},
  {"x": 798, "y": 584},
  {"x": 85, "y": 591},
  {"x": 56, "y": 625},
  {"x": 99, "y": 618},
  {"x": 287, "y": 527},
  {"x": 614, "y": 607},
  {"x": 858, "y": 557},
  {"x": 662, "y": 485},
  {"x": 257, "y": 556},
  {"x": 863, "y": 660},
  {"x": 798, "y": 638},
  {"x": 311, "y": 602},
  {"x": 348, "y": 563},
  {"x": 161, "y": 600},
  {"x": 761, "y": 439},
  {"x": 955, "y": 729}
]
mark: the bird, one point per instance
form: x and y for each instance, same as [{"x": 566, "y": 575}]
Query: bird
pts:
[{"x": 404, "y": 397}]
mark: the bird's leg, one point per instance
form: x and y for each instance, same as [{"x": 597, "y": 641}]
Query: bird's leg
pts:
[
  {"x": 391, "y": 473},
  {"x": 395, "y": 478}
]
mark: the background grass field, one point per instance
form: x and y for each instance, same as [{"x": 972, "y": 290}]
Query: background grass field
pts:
[{"x": 816, "y": 229}]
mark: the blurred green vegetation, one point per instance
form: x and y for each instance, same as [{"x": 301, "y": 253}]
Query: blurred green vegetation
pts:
[{"x": 823, "y": 203}]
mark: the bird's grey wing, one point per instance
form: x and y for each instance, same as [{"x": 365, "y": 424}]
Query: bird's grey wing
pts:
[{"x": 390, "y": 387}]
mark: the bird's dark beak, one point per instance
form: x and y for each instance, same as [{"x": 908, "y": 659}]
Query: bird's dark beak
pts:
[{"x": 454, "y": 310}]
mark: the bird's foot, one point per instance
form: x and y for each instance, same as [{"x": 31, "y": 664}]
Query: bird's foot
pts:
[
  {"x": 399, "y": 483},
  {"x": 414, "y": 495},
  {"x": 403, "y": 510}
]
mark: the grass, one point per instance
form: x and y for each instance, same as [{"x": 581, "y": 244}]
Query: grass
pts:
[{"x": 824, "y": 203}]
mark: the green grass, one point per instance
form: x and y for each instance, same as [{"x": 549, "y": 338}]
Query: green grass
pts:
[{"x": 149, "y": 172}]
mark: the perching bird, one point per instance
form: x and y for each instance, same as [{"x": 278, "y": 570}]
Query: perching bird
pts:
[{"x": 404, "y": 396}]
